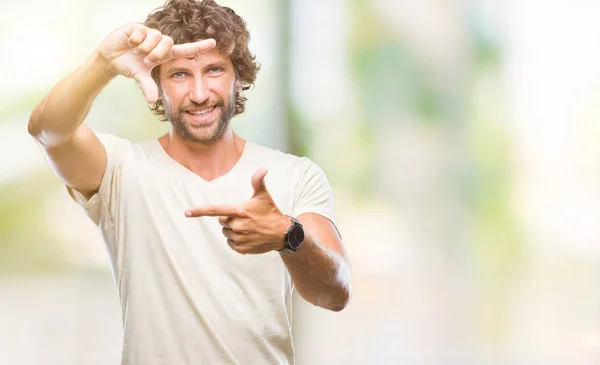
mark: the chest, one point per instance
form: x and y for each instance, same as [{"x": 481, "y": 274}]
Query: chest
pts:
[{"x": 156, "y": 235}]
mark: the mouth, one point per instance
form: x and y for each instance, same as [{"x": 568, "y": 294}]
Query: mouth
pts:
[{"x": 201, "y": 116}]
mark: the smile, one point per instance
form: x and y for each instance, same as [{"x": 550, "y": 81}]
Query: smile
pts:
[{"x": 201, "y": 112}]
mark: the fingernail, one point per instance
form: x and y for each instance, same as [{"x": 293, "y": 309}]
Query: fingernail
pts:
[
  {"x": 188, "y": 213},
  {"x": 147, "y": 61},
  {"x": 135, "y": 51}
]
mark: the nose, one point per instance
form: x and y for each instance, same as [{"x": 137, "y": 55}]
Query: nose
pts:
[{"x": 199, "y": 92}]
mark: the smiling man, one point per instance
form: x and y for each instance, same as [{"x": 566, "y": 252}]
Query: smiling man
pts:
[{"x": 208, "y": 234}]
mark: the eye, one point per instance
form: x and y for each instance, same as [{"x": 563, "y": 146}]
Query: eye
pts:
[
  {"x": 178, "y": 75},
  {"x": 214, "y": 70}
]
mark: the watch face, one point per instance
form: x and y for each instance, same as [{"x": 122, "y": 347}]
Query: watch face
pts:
[{"x": 296, "y": 236}]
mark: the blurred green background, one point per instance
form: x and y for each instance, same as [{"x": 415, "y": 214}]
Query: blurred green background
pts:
[{"x": 461, "y": 140}]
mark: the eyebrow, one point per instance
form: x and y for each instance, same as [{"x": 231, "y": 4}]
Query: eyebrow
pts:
[
  {"x": 221, "y": 64},
  {"x": 174, "y": 69}
]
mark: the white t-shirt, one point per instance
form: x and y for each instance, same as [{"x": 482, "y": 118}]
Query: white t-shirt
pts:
[{"x": 186, "y": 296}]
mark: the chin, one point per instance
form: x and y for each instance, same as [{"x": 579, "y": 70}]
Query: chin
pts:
[{"x": 207, "y": 135}]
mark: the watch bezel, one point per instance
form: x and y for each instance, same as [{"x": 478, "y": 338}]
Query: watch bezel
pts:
[
  {"x": 296, "y": 226},
  {"x": 295, "y": 230}
]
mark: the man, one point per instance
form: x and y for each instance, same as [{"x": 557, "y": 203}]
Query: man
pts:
[{"x": 207, "y": 233}]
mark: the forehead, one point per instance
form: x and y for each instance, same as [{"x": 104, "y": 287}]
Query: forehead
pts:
[{"x": 199, "y": 60}]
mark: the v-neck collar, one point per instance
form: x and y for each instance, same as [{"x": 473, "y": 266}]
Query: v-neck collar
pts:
[{"x": 178, "y": 167}]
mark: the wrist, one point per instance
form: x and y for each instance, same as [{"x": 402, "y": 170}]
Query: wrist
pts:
[
  {"x": 101, "y": 67},
  {"x": 293, "y": 237},
  {"x": 283, "y": 223}
]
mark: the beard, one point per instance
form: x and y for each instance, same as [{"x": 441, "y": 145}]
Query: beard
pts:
[{"x": 205, "y": 134}]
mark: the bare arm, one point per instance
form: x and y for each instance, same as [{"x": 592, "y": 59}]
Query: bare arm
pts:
[
  {"x": 319, "y": 268},
  {"x": 74, "y": 152}
]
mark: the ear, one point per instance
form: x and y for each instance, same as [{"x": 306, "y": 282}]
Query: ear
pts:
[{"x": 239, "y": 86}]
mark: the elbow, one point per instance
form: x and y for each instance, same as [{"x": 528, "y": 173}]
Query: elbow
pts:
[
  {"x": 36, "y": 125},
  {"x": 340, "y": 301},
  {"x": 341, "y": 293},
  {"x": 38, "y": 128},
  {"x": 337, "y": 307},
  {"x": 33, "y": 127},
  {"x": 336, "y": 301}
]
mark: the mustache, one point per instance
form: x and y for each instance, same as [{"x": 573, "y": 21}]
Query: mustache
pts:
[{"x": 205, "y": 104}]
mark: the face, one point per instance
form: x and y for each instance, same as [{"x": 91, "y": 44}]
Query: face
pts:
[{"x": 199, "y": 95}]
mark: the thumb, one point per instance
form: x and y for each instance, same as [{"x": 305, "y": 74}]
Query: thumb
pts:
[
  {"x": 258, "y": 182},
  {"x": 148, "y": 86}
]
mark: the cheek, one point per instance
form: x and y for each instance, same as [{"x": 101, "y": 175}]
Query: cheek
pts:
[
  {"x": 217, "y": 88},
  {"x": 222, "y": 86},
  {"x": 173, "y": 95}
]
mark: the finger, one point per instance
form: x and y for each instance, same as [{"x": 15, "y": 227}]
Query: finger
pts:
[
  {"x": 160, "y": 51},
  {"x": 148, "y": 86},
  {"x": 215, "y": 211},
  {"x": 225, "y": 221},
  {"x": 228, "y": 233},
  {"x": 237, "y": 247},
  {"x": 136, "y": 33},
  {"x": 190, "y": 49},
  {"x": 258, "y": 182},
  {"x": 232, "y": 244},
  {"x": 233, "y": 235},
  {"x": 153, "y": 38}
]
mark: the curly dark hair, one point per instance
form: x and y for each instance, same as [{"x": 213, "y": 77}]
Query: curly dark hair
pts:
[{"x": 191, "y": 20}]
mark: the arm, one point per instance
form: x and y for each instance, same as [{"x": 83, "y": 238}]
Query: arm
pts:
[
  {"x": 74, "y": 152},
  {"x": 319, "y": 268}
]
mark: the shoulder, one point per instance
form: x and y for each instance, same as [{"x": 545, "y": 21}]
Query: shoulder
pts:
[
  {"x": 278, "y": 158},
  {"x": 290, "y": 167},
  {"x": 111, "y": 141},
  {"x": 125, "y": 151},
  {"x": 265, "y": 152}
]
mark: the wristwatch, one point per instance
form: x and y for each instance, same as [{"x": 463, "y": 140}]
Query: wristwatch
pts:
[{"x": 294, "y": 236}]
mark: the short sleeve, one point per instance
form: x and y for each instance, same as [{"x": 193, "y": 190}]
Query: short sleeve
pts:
[
  {"x": 101, "y": 207},
  {"x": 313, "y": 194}
]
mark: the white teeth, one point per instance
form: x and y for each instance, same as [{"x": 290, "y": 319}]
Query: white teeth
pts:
[{"x": 202, "y": 112}]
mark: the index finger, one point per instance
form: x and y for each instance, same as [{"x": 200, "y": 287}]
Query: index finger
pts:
[
  {"x": 136, "y": 34},
  {"x": 190, "y": 49},
  {"x": 214, "y": 211}
]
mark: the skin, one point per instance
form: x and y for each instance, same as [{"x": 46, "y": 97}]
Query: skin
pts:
[{"x": 194, "y": 78}]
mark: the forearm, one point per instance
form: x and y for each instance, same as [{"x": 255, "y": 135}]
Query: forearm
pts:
[
  {"x": 63, "y": 110},
  {"x": 321, "y": 275}
]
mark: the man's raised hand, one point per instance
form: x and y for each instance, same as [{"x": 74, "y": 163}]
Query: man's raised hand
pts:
[{"x": 134, "y": 50}]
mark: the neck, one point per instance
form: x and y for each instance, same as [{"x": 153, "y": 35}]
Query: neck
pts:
[{"x": 209, "y": 161}]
